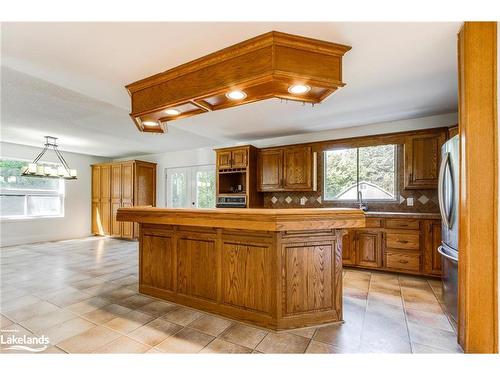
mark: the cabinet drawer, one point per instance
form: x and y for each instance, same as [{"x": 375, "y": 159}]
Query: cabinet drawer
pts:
[
  {"x": 373, "y": 222},
  {"x": 402, "y": 261},
  {"x": 406, "y": 241},
  {"x": 402, "y": 224}
]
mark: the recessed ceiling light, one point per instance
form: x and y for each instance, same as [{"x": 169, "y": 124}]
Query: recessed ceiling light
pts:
[
  {"x": 172, "y": 112},
  {"x": 298, "y": 89},
  {"x": 149, "y": 123},
  {"x": 236, "y": 95}
]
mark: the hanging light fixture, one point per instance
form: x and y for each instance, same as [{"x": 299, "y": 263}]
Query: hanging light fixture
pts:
[{"x": 38, "y": 169}]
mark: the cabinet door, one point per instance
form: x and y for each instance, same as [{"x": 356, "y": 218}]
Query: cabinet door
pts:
[
  {"x": 422, "y": 157},
  {"x": 224, "y": 159},
  {"x": 239, "y": 158},
  {"x": 369, "y": 248},
  {"x": 116, "y": 170},
  {"x": 432, "y": 259},
  {"x": 298, "y": 168},
  {"x": 96, "y": 195},
  {"x": 105, "y": 201},
  {"x": 348, "y": 249},
  {"x": 270, "y": 173},
  {"x": 128, "y": 227},
  {"x": 127, "y": 186},
  {"x": 96, "y": 182},
  {"x": 96, "y": 218}
]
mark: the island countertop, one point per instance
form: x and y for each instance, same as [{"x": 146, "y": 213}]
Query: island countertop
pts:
[{"x": 273, "y": 220}]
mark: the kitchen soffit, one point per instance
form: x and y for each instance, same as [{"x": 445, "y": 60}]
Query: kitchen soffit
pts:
[{"x": 271, "y": 65}]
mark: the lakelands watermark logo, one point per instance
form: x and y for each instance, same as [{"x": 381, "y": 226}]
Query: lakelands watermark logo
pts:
[{"x": 12, "y": 340}]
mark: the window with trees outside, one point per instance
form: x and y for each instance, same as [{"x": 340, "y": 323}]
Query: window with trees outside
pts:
[
  {"x": 371, "y": 170},
  {"x": 28, "y": 197}
]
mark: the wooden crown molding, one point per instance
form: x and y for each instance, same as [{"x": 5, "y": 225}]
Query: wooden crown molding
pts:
[{"x": 264, "y": 67}]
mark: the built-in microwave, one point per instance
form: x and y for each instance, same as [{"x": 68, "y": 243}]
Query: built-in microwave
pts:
[{"x": 234, "y": 201}]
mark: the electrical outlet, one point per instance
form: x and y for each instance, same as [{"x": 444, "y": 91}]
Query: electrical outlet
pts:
[
  {"x": 303, "y": 201},
  {"x": 409, "y": 201}
]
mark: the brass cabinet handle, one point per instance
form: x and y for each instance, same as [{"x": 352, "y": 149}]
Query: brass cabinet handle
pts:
[
  {"x": 403, "y": 261},
  {"x": 403, "y": 241}
]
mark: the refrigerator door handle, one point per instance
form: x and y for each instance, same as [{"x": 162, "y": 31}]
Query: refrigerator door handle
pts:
[
  {"x": 442, "y": 208},
  {"x": 445, "y": 254}
]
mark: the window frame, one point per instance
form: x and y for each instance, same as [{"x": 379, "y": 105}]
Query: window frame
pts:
[
  {"x": 26, "y": 193},
  {"x": 396, "y": 174}
]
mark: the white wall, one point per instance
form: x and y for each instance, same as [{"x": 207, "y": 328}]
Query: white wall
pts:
[
  {"x": 205, "y": 156},
  {"x": 77, "y": 208}
]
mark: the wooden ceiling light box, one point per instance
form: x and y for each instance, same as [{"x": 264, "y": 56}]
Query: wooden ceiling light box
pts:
[{"x": 272, "y": 65}]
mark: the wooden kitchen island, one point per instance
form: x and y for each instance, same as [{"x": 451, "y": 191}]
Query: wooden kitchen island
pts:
[{"x": 276, "y": 268}]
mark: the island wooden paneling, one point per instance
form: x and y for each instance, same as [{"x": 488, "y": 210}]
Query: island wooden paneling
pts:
[
  {"x": 246, "y": 273},
  {"x": 282, "y": 275},
  {"x": 197, "y": 264},
  {"x": 308, "y": 277}
]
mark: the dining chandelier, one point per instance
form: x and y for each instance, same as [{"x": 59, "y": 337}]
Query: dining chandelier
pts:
[{"x": 39, "y": 169}]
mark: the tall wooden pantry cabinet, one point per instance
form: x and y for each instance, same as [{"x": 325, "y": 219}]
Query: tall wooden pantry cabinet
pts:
[{"x": 121, "y": 184}]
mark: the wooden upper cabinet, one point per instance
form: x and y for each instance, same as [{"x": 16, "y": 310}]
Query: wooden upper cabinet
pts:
[
  {"x": 298, "y": 168},
  {"x": 286, "y": 169},
  {"x": 368, "y": 248},
  {"x": 239, "y": 158},
  {"x": 224, "y": 159},
  {"x": 422, "y": 157},
  {"x": 270, "y": 174},
  {"x": 233, "y": 158}
]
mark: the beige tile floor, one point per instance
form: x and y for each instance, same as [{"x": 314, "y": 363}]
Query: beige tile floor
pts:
[{"x": 83, "y": 295}]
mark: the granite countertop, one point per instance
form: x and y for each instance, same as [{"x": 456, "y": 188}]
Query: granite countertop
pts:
[{"x": 408, "y": 215}]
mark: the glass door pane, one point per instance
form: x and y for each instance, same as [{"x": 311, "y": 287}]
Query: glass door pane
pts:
[
  {"x": 178, "y": 194},
  {"x": 205, "y": 186}
]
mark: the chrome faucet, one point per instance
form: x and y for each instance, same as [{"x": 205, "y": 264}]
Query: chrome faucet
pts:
[{"x": 362, "y": 206}]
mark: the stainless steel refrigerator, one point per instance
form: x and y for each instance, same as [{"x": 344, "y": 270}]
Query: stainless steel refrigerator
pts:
[{"x": 448, "y": 205}]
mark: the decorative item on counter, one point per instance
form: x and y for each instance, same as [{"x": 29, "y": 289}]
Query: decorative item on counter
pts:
[{"x": 37, "y": 169}]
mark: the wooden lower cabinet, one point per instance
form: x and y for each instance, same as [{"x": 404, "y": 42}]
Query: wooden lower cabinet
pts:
[
  {"x": 368, "y": 245},
  {"x": 348, "y": 248},
  {"x": 432, "y": 259},
  {"x": 399, "y": 245},
  {"x": 278, "y": 280}
]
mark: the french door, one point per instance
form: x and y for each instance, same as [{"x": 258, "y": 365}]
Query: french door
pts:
[{"x": 190, "y": 187}]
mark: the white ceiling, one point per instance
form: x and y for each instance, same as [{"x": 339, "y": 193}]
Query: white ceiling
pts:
[{"x": 67, "y": 80}]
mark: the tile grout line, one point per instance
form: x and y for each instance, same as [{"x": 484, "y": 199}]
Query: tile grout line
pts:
[{"x": 406, "y": 317}]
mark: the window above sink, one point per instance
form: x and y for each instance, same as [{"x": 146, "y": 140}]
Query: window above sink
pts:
[{"x": 370, "y": 170}]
